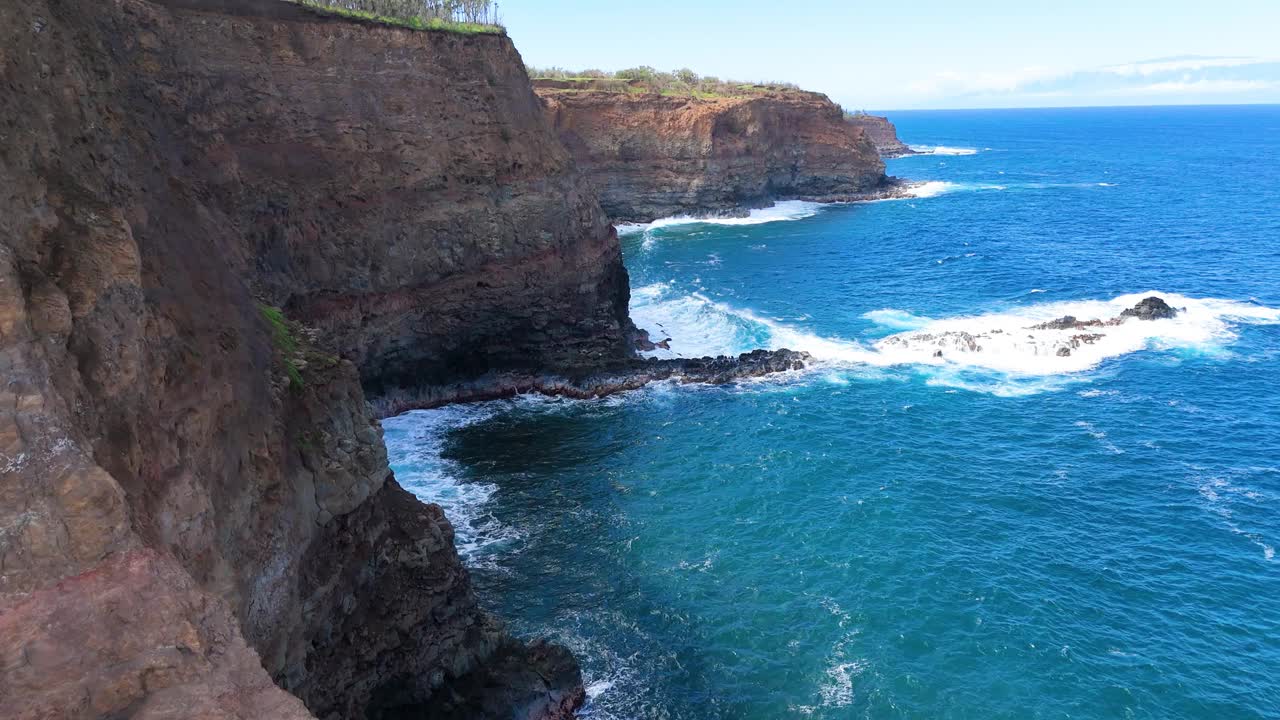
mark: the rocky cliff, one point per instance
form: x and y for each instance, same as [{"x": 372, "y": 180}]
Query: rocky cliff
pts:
[
  {"x": 882, "y": 133},
  {"x": 197, "y": 518},
  {"x": 653, "y": 155}
]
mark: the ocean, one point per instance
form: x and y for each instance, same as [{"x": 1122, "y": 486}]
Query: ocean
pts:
[{"x": 1007, "y": 532}]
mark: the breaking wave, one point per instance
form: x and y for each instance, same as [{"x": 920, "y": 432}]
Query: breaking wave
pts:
[
  {"x": 415, "y": 445},
  {"x": 943, "y": 150},
  {"x": 1001, "y": 352},
  {"x": 780, "y": 211},
  {"x": 933, "y": 188}
]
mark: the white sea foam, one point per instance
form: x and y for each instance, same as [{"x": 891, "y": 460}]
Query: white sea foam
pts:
[
  {"x": 1100, "y": 436},
  {"x": 896, "y": 319},
  {"x": 981, "y": 352},
  {"x": 837, "y": 689},
  {"x": 415, "y": 440},
  {"x": 934, "y": 188},
  {"x": 780, "y": 211},
  {"x": 1008, "y": 342},
  {"x": 1223, "y": 495},
  {"x": 943, "y": 150}
]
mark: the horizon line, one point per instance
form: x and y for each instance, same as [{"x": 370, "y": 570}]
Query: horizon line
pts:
[{"x": 1079, "y": 107}]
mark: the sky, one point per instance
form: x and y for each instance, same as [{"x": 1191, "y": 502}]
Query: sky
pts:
[{"x": 930, "y": 53}]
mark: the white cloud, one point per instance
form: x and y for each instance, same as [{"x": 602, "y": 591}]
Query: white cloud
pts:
[
  {"x": 1201, "y": 86},
  {"x": 1152, "y": 67},
  {"x": 951, "y": 82},
  {"x": 1186, "y": 76}
]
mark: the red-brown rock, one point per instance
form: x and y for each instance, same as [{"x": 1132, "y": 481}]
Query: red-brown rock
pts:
[
  {"x": 882, "y": 133},
  {"x": 194, "y": 499},
  {"x": 654, "y": 155}
]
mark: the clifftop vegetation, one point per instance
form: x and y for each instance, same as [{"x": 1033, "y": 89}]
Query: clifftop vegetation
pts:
[
  {"x": 646, "y": 79},
  {"x": 460, "y": 16}
]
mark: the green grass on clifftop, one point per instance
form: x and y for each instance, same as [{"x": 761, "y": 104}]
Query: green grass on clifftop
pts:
[
  {"x": 413, "y": 22},
  {"x": 645, "y": 79}
]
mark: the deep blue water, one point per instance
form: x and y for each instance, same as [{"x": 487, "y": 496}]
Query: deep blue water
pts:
[{"x": 1003, "y": 533}]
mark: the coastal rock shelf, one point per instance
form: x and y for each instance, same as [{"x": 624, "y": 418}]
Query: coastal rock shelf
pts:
[
  {"x": 653, "y": 155},
  {"x": 631, "y": 375}
]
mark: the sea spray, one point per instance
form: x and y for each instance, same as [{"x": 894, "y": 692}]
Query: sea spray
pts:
[
  {"x": 781, "y": 211},
  {"x": 1005, "y": 343}
]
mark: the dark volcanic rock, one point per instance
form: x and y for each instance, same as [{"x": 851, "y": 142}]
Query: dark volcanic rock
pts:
[
  {"x": 644, "y": 343},
  {"x": 1152, "y": 308},
  {"x": 518, "y": 681},
  {"x": 1068, "y": 322},
  {"x": 631, "y": 375}
]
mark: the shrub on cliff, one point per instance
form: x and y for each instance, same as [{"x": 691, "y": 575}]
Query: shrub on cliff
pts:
[
  {"x": 649, "y": 79},
  {"x": 464, "y": 16}
]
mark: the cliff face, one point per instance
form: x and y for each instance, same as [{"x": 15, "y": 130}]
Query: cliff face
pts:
[
  {"x": 194, "y": 501},
  {"x": 652, "y": 155},
  {"x": 883, "y": 134}
]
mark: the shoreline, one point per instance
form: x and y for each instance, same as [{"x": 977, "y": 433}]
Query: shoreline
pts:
[
  {"x": 721, "y": 370},
  {"x": 893, "y": 189}
]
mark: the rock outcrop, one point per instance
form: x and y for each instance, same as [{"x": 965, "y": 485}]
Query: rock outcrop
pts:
[
  {"x": 882, "y": 133},
  {"x": 631, "y": 375},
  {"x": 1061, "y": 341},
  {"x": 653, "y": 155},
  {"x": 197, "y": 518},
  {"x": 1152, "y": 308}
]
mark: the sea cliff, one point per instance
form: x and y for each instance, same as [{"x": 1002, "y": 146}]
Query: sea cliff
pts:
[
  {"x": 222, "y": 223},
  {"x": 226, "y": 225},
  {"x": 882, "y": 133},
  {"x": 653, "y": 155}
]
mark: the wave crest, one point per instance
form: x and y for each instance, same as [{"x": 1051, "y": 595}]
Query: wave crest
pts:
[
  {"x": 781, "y": 211},
  {"x": 998, "y": 352},
  {"x": 942, "y": 150}
]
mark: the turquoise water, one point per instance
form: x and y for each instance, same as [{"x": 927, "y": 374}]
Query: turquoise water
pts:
[{"x": 1003, "y": 533}]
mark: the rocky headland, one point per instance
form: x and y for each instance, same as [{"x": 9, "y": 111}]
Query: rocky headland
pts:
[
  {"x": 653, "y": 155},
  {"x": 882, "y": 133}
]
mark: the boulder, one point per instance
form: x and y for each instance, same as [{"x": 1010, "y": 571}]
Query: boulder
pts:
[{"x": 1152, "y": 308}]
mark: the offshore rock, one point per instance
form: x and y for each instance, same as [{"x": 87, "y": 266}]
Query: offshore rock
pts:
[
  {"x": 1152, "y": 308},
  {"x": 1068, "y": 322}
]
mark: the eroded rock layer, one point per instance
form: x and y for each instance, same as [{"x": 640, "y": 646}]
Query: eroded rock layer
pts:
[
  {"x": 882, "y": 133},
  {"x": 653, "y": 155},
  {"x": 194, "y": 499}
]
